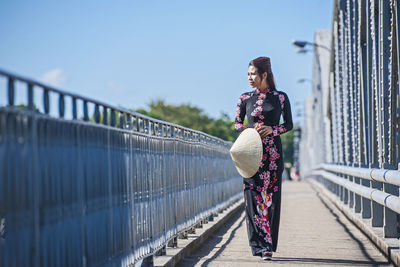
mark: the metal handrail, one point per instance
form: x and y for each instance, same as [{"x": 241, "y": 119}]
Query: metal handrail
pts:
[
  {"x": 379, "y": 175},
  {"x": 122, "y": 192},
  {"x": 390, "y": 201},
  {"x": 47, "y": 88}
]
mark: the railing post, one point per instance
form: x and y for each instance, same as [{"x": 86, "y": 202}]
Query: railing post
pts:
[
  {"x": 85, "y": 111},
  {"x": 46, "y": 101},
  {"x": 145, "y": 262},
  {"x": 74, "y": 109},
  {"x": 11, "y": 92},
  {"x": 366, "y": 203},
  {"x": 105, "y": 115},
  {"x": 390, "y": 217},
  {"x": 97, "y": 113},
  {"x": 30, "y": 96},
  {"x": 162, "y": 251},
  {"x": 377, "y": 209},
  {"x": 122, "y": 120},
  {"x": 61, "y": 106},
  {"x": 346, "y": 193},
  {"x": 357, "y": 198},
  {"x": 350, "y": 193},
  {"x": 173, "y": 243},
  {"x": 340, "y": 192},
  {"x": 112, "y": 118}
]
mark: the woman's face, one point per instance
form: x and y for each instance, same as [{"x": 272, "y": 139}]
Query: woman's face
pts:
[{"x": 254, "y": 78}]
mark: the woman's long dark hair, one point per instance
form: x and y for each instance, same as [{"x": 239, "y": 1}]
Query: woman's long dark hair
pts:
[{"x": 263, "y": 64}]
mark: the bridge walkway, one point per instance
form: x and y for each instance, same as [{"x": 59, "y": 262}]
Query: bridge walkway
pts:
[{"x": 313, "y": 232}]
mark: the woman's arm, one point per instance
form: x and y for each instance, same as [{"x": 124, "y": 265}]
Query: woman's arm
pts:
[
  {"x": 287, "y": 124},
  {"x": 240, "y": 114}
]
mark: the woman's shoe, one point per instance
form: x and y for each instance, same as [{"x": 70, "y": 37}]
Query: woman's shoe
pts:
[{"x": 266, "y": 255}]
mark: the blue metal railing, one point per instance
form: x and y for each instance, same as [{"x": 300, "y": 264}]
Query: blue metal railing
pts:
[
  {"x": 106, "y": 188},
  {"x": 351, "y": 136}
]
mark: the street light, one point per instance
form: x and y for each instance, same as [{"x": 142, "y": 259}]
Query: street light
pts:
[
  {"x": 303, "y": 80},
  {"x": 301, "y": 44}
]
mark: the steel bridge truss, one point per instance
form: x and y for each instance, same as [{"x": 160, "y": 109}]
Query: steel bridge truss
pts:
[{"x": 361, "y": 161}]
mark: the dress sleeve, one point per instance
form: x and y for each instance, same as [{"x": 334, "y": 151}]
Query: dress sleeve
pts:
[
  {"x": 287, "y": 124},
  {"x": 240, "y": 114}
]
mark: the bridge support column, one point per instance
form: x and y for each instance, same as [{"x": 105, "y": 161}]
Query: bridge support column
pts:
[
  {"x": 146, "y": 262},
  {"x": 357, "y": 198},
  {"x": 350, "y": 193},
  {"x": 365, "y": 208},
  {"x": 390, "y": 217},
  {"x": 377, "y": 209},
  {"x": 162, "y": 251},
  {"x": 357, "y": 203},
  {"x": 366, "y": 203},
  {"x": 183, "y": 235},
  {"x": 345, "y": 193},
  {"x": 334, "y": 188},
  {"x": 342, "y": 193},
  {"x": 173, "y": 243}
]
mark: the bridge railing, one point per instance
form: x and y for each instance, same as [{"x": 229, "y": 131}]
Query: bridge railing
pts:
[
  {"x": 105, "y": 186},
  {"x": 335, "y": 179},
  {"x": 351, "y": 136}
]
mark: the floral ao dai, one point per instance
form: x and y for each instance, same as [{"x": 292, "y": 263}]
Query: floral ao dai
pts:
[{"x": 263, "y": 190}]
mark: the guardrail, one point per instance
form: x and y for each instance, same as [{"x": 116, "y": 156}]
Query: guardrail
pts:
[
  {"x": 351, "y": 134},
  {"x": 385, "y": 199},
  {"x": 107, "y": 187}
]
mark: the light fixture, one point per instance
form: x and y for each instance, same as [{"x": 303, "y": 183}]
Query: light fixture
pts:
[{"x": 301, "y": 44}]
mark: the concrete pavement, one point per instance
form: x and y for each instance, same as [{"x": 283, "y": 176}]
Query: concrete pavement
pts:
[{"x": 312, "y": 233}]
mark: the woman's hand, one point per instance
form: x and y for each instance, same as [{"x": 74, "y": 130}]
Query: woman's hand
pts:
[{"x": 263, "y": 130}]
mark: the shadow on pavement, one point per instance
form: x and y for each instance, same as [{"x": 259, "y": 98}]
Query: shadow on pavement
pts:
[
  {"x": 210, "y": 244},
  {"x": 347, "y": 230},
  {"x": 331, "y": 261},
  {"x": 214, "y": 241}
]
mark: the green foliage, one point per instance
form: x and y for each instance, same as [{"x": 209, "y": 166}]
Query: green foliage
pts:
[
  {"x": 287, "y": 146},
  {"x": 23, "y": 106},
  {"x": 192, "y": 117},
  {"x": 101, "y": 113}
]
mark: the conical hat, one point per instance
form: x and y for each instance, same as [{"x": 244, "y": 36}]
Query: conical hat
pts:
[{"x": 247, "y": 152}]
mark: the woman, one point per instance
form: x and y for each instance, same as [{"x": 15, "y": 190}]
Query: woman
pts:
[{"x": 262, "y": 192}]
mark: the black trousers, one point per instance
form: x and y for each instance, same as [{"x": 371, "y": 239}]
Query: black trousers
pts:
[{"x": 262, "y": 229}]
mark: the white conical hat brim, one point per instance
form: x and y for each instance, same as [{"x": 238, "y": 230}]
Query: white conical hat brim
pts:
[{"x": 247, "y": 152}]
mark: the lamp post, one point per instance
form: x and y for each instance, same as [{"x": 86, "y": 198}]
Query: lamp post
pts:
[
  {"x": 302, "y": 44},
  {"x": 303, "y": 80},
  {"x": 312, "y": 145},
  {"x": 299, "y": 113}
]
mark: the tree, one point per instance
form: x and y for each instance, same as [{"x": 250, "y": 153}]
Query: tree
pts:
[
  {"x": 192, "y": 117},
  {"x": 287, "y": 146}
]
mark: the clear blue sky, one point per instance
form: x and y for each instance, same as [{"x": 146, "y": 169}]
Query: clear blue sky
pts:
[{"x": 130, "y": 52}]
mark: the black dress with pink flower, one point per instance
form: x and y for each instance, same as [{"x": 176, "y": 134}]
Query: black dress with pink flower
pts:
[{"x": 262, "y": 192}]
